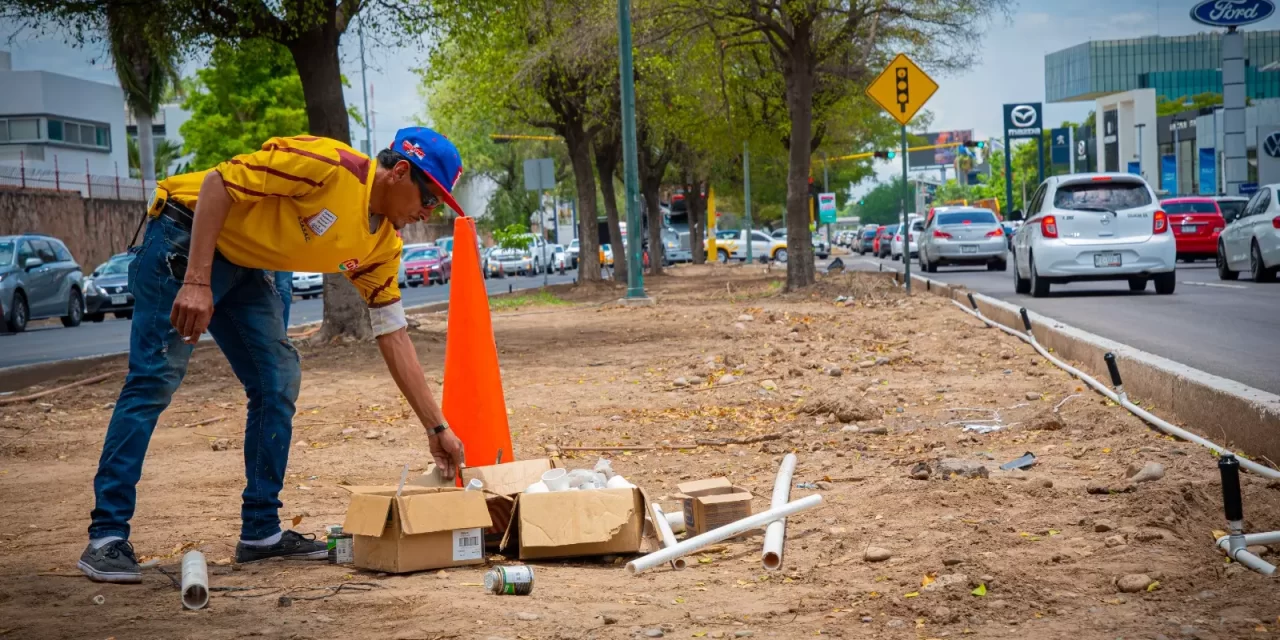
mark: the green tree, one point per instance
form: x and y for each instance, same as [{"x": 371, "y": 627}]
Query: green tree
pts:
[
  {"x": 248, "y": 94},
  {"x": 883, "y": 204},
  {"x": 166, "y": 153},
  {"x": 146, "y": 58},
  {"x": 1167, "y": 107}
]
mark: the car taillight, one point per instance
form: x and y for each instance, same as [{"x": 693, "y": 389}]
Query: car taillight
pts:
[
  {"x": 897, "y": 237},
  {"x": 995, "y": 234},
  {"x": 1049, "y": 227},
  {"x": 941, "y": 234},
  {"x": 1275, "y": 222},
  {"x": 911, "y": 237},
  {"x": 1160, "y": 222}
]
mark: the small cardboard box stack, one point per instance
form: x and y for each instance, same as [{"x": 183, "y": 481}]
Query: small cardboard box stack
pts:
[
  {"x": 423, "y": 528},
  {"x": 502, "y": 483},
  {"x": 568, "y": 524},
  {"x": 713, "y": 503}
]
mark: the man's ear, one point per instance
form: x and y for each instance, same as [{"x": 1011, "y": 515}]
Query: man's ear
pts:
[{"x": 401, "y": 170}]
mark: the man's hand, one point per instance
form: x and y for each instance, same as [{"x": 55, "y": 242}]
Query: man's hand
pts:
[
  {"x": 446, "y": 448},
  {"x": 192, "y": 310}
]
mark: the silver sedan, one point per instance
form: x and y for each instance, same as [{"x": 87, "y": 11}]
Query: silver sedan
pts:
[{"x": 963, "y": 236}]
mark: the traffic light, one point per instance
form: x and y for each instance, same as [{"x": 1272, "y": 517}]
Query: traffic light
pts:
[
  {"x": 975, "y": 144},
  {"x": 862, "y": 202},
  {"x": 885, "y": 155}
]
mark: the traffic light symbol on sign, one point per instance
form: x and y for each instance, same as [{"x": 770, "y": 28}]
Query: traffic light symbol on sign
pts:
[
  {"x": 903, "y": 97},
  {"x": 885, "y": 155}
]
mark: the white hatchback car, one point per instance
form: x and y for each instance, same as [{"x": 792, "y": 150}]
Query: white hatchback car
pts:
[
  {"x": 1251, "y": 241},
  {"x": 914, "y": 231},
  {"x": 1094, "y": 226}
]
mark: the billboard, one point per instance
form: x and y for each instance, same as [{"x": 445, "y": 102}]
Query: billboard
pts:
[{"x": 944, "y": 157}]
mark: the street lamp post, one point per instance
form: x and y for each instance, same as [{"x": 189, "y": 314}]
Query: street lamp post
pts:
[
  {"x": 631, "y": 173},
  {"x": 1140, "y": 126}
]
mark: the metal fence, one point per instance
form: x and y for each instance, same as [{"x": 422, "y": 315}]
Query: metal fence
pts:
[{"x": 87, "y": 184}]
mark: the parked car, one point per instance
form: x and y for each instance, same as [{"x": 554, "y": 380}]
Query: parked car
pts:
[
  {"x": 427, "y": 265},
  {"x": 1231, "y": 206},
  {"x": 308, "y": 285},
  {"x": 38, "y": 279},
  {"x": 911, "y": 237},
  {"x": 107, "y": 290},
  {"x": 821, "y": 248},
  {"x": 606, "y": 255},
  {"x": 512, "y": 261},
  {"x": 1094, "y": 226},
  {"x": 572, "y": 254},
  {"x": 732, "y": 244},
  {"x": 558, "y": 260},
  {"x": 1251, "y": 240},
  {"x": 963, "y": 236},
  {"x": 883, "y": 237},
  {"x": 404, "y": 251},
  {"x": 867, "y": 241},
  {"x": 1196, "y": 223}
]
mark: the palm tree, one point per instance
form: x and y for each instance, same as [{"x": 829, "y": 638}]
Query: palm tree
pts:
[
  {"x": 147, "y": 60},
  {"x": 166, "y": 153}
]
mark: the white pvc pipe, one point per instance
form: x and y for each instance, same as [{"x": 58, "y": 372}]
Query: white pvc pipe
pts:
[
  {"x": 1248, "y": 559},
  {"x": 694, "y": 544},
  {"x": 676, "y": 522},
  {"x": 195, "y": 581},
  {"x": 668, "y": 536},
  {"x": 1123, "y": 399},
  {"x": 776, "y": 533},
  {"x": 1270, "y": 537}
]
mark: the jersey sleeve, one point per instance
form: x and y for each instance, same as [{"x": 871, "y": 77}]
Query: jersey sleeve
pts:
[
  {"x": 283, "y": 167},
  {"x": 378, "y": 284}
]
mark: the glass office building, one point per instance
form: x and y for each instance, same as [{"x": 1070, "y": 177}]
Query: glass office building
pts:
[{"x": 1174, "y": 66}]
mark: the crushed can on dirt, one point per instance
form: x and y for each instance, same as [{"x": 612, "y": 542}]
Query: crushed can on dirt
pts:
[
  {"x": 340, "y": 545},
  {"x": 512, "y": 581}
]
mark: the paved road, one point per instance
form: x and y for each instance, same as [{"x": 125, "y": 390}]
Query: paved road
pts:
[
  {"x": 51, "y": 341},
  {"x": 1229, "y": 329}
]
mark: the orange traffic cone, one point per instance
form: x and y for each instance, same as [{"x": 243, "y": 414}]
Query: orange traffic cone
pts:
[{"x": 473, "y": 402}]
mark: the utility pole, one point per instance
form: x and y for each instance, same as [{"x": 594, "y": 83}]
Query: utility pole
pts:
[
  {"x": 746, "y": 195},
  {"x": 364, "y": 89},
  {"x": 631, "y": 173},
  {"x": 906, "y": 243}
]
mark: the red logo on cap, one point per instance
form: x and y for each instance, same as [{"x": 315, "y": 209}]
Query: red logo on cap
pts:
[{"x": 413, "y": 149}]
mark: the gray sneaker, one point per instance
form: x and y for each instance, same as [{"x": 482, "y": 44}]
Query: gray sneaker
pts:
[{"x": 114, "y": 562}]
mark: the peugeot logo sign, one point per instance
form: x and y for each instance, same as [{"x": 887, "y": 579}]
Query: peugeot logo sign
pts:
[
  {"x": 1272, "y": 145},
  {"x": 1023, "y": 116}
]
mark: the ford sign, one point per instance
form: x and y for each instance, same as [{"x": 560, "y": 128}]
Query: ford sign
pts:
[{"x": 1232, "y": 13}]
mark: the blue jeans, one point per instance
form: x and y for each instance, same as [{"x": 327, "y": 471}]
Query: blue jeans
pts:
[
  {"x": 248, "y": 326},
  {"x": 284, "y": 286}
]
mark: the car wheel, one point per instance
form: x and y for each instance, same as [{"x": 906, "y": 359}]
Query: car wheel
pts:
[
  {"x": 780, "y": 256},
  {"x": 75, "y": 310},
  {"x": 1257, "y": 267},
  {"x": 124, "y": 315},
  {"x": 1224, "y": 270},
  {"x": 722, "y": 256},
  {"x": 1039, "y": 286},
  {"x": 1137, "y": 284},
  {"x": 18, "y": 316},
  {"x": 1165, "y": 283},
  {"x": 95, "y": 317},
  {"x": 1020, "y": 284},
  {"x": 999, "y": 265}
]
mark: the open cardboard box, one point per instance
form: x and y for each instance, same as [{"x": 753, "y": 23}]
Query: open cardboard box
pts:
[
  {"x": 502, "y": 483},
  {"x": 713, "y": 503},
  {"x": 423, "y": 528},
  {"x": 566, "y": 524}
]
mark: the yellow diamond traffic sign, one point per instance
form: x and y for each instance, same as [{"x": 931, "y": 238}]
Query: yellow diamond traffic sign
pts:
[{"x": 902, "y": 89}]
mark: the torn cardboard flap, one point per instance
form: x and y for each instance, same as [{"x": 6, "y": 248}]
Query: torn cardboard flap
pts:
[
  {"x": 512, "y": 477},
  {"x": 574, "y": 517}
]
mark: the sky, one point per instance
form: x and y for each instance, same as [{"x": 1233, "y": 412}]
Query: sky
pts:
[{"x": 1009, "y": 67}]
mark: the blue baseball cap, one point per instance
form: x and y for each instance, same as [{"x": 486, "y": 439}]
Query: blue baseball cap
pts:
[{"x": 435, "y": 155}]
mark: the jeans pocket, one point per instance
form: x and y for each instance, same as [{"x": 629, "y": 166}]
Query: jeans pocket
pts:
[{"x": 178, "y": 239}]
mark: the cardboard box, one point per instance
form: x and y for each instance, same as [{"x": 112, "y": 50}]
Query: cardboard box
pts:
[
  {"x": 502, "y": 483},
  {"x": 713, "y": 503},
  {"x": 424, "y": 528},
  {"x": 568, "y": 524}
]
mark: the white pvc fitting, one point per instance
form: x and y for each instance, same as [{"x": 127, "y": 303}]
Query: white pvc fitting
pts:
[
  {"x": 556, "y": 479},
  {"x": 668, "y": 536},
  {"x": 698, "y": 542},
  {"x": 618, "y": 482},
  {"x": 676, "y": 522},
  {"x": 537, "y": 487},
  {"x": 775, "y": 534},
  {"x": 195, "y": 581}
]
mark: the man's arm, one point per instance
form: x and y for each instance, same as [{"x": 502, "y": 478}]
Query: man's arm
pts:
[
  {"x": 402, "y": 361},
  {"x": 193, "y": 307}
]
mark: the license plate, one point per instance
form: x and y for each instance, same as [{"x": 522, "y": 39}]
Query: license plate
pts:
[
  {"x": 968, "y": 248},
  {"x": 119, "y": 300},
  {"x": 1106, "y": 260},
  {"x": 1189, "y": 228}
]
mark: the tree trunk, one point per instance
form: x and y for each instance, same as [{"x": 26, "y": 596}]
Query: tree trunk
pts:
[
  {"x": 606, "y": 165},
  {"x": 146, "y": 150},
  {"x": 799, "y": 81},
  {"x": 697, "y": 220},
  {"x": 588, "y": 221},
  {"x": 657, "y": 250},
  {"x": 315, "y": 53}
]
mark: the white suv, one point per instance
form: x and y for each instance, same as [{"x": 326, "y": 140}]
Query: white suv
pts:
[{"x": 1094, "y": 226}]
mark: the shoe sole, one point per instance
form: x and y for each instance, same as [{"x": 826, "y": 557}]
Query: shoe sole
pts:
[
  {"x": 322, "y": 554},
  {"x": 112, "y": 577}
]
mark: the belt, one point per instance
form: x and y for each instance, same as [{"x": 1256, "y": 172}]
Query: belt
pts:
[{"x": 179, "y": 214}]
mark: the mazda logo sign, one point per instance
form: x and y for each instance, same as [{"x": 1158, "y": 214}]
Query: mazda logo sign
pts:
[
  {"x": 1023, "y": 116},
  {"x": 1271, "y": 146}
]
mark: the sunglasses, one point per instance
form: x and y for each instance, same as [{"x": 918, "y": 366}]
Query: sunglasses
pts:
[{"x": 429, "y": 199}]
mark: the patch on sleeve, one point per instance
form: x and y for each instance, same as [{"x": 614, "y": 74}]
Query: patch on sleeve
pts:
[
  {"x": 320, "y": 222},
  {"x": 388, "y": 319}
]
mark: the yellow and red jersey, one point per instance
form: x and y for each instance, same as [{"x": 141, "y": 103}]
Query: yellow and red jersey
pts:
[{"x": 302, "y": 204}]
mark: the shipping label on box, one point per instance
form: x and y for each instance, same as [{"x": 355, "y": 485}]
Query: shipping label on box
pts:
[{"x": 423, "y": 528}]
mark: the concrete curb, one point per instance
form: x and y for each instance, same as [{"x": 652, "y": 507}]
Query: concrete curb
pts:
[{"x": 1224, "y": 411}]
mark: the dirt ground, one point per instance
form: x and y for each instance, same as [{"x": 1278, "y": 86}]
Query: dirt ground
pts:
[{"x": 1046, "y": 551}]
